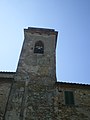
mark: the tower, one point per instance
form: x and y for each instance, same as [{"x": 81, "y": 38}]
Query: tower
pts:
[
  {"x": 37, "y": 59},
  {"x": 32, "y": 92}
]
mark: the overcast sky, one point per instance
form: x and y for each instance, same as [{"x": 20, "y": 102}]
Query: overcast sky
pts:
[{"x": 71, "y": 18}]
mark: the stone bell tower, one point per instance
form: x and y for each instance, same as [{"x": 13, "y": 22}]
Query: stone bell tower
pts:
[
  {"x": 37, "y": 59},
  {"x": 32, "y": 92}
]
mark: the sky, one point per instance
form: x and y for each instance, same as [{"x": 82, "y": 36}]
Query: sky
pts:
[{"x": 71, "y": 18}]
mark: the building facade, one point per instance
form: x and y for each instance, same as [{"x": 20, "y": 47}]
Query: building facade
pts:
[{"x": 32, "y": 92}]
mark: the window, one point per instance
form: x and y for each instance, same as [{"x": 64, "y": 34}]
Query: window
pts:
[
  {"x": 69, "y": 98},
  {"x": 39, "y": 47}
]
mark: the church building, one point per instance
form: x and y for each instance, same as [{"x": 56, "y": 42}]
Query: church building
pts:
[{"x": 33, "y": 92}]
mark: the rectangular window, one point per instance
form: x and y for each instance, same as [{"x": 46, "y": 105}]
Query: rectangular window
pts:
[{"x": 69, "y": 98}]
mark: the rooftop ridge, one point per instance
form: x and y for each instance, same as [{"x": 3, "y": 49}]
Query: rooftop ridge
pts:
[
  {"x": 73, "y": 85},
  {"x": 7, "y": 74}
]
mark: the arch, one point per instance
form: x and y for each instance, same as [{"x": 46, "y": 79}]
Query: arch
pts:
[{"x": 39, "y": 47}]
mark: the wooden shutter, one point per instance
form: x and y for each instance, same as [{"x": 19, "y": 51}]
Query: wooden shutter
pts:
[{"x": 69, "y": 98}]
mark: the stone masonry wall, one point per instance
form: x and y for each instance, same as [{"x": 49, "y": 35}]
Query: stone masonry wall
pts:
[
  {"x": 31, "y": 101},
  {"x": 5, "y": 85},
  {"x": 81, "y": 109}
]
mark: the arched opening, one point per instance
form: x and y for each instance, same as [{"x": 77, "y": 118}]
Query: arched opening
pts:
[{"x": 39, "y": 47}]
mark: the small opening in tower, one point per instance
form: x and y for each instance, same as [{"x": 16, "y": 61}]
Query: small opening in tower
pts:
[{"x": 39, "y": 47}]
